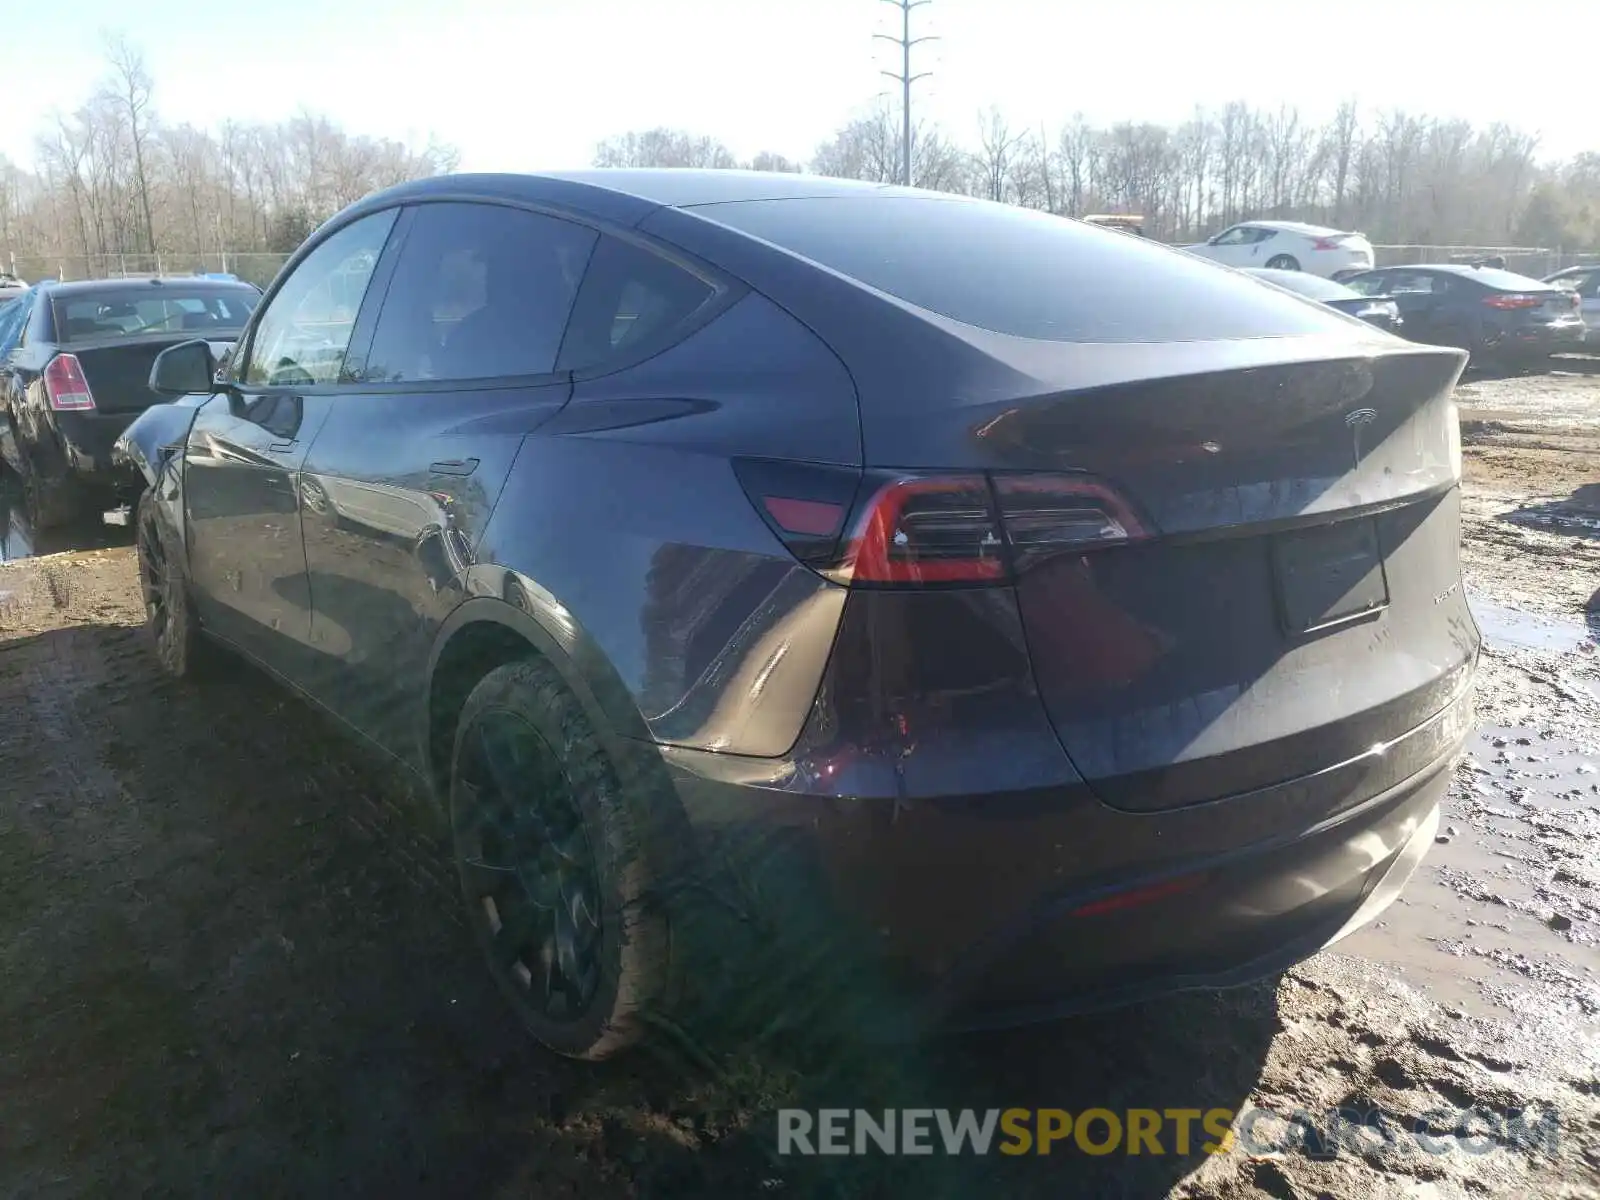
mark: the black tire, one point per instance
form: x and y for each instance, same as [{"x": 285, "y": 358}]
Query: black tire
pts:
[
  {"x": 555, "y": 857},
  {"x": 50, "y": 503},
  {"x": 1283, "y": 262},
  {"x": 169, "y": 618}
]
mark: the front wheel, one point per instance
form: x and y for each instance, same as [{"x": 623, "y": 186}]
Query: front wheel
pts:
[
  {"x": 1283, "y": 262},
  {"x": 554, "y": 856},
  {"x": 169, "y": 616}
]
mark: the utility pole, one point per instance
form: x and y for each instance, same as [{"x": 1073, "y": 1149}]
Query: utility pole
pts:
[{"x": 905, "y": 41}]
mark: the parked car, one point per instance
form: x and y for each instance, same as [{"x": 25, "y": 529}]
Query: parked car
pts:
[
  {"x": 80, "y": 373},
  {"x": 1585, "y": 281},
  {"x": 761, "y": 534},
  {"x": 1374, "y": 310},
  {"x": 11, "y": 287},
  {"x": 1287, "y": 246},
  {"x": 1494, "y": 315},
  {"x": 1129, "y": 223}
]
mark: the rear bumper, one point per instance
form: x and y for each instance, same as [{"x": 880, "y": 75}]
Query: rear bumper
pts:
[
  {"x": 1002, "y": 909},
  {"x": 83, "y": 443},
  {"x": 1543, "y": 339}
]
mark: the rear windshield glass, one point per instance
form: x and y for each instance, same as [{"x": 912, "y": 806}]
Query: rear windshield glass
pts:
[
  {"x": 1022, "y": 272},
  {"x": 1505, "y": 281},
  {"x": 1313, "y": 286},
  {"x": 116, "y": 312}
]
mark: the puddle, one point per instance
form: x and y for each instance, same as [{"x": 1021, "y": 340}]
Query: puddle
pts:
[
  {"x": 1509, "y": 627},
  {"x": 1511, "y": 901},
  {"x": 18, "y": 539}
]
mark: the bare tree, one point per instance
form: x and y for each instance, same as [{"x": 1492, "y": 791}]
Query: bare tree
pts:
[
  {"x": 1074, "y": 150},
  {"x": 999, "y": 147},
  {"x": 868, "y": 147},
  {"x": 1341, "y": 137},
  {"x": 130, "y": 90},
  {"x": 766, "y": 160},
  {"x": 109, "y": 179},
  {"x": 663, "y": 148}
]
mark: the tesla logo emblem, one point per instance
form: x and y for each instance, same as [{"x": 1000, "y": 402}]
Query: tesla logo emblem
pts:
[{"x": 1357, "y": 422}]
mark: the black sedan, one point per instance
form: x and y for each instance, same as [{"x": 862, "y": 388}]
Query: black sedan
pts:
[
  {"x": 1494, "y": 314},
  {"x": 1376, "y": 310},
  {"x": 80, "y": 374},
  {"x": 1067, "y": 620}
]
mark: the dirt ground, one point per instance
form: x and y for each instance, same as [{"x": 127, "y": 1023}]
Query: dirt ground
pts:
[{"x": 230, "y": 962}]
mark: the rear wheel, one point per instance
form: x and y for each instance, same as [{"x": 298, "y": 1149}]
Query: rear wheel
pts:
[
  {"x": 50, "y": 503},
  {"x": 553, "y": 856},
  {"x": 1283, "y": 262}
]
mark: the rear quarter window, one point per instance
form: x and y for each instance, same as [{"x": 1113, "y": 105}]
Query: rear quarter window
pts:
[
  {"x": 632, "y": 300},
  {"x": 1022, "y": 272}
]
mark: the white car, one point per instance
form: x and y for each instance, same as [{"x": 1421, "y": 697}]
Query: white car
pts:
[
  {"x": 1586, "y": 282},
  {"x": 1288, "y": 246}
]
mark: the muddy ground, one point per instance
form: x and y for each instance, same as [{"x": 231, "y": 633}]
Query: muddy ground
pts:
[{"x": 230, "y": 962}]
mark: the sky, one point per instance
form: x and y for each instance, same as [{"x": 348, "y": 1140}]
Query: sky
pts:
[{"x": 530, "y": 84}]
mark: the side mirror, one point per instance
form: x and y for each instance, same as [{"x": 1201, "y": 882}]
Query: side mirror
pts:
[{"x": 184, "y": 369}]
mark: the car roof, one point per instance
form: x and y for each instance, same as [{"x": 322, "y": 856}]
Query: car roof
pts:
[
  {"x": 627, "y": 194},
  {"x": 1294, "y": 227},
  {"x": 1495, "y": 277}
]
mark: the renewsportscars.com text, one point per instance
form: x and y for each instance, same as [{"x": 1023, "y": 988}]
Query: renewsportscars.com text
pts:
[{"x": 1153, "y": 1131}]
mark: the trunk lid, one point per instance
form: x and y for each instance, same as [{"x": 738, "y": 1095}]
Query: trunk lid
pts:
[
  {"x": 1296, "y": 602},
  {"x": 118, "y": 371}
]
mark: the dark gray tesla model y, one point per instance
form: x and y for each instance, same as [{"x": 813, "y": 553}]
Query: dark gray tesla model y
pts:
[{"x": 1086, "y": 615}]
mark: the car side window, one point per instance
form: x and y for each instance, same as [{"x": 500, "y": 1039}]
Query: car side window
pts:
[
  {"x": 1411, "y": 284},
  {"x": 1239, "y": 235},
  {"x": 301, "y": 337},
  {"x": 1262, "y": 235},
  {"x": 1367, "y": 285},
  {"x": 480, "y": 291},
  {"x": 630, "y": 297}
]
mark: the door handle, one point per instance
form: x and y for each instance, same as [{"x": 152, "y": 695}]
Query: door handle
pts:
[
  {"x": 454, "y": 466},
  {"x": 282, "y": 447}
]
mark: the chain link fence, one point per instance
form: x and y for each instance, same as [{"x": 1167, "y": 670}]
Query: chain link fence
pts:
[{"x": 255, "y": 266}]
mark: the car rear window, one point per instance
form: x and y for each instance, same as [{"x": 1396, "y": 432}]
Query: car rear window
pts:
[
  {"x": 1021, "y": 272},
  {"x": 1506, "y": 281},
  {"x": 126, "y": 311}
]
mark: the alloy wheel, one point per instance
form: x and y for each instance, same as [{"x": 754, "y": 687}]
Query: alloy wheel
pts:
[
  {"x": 528, "y": 870},
  {"x": 155, "y": 580}
]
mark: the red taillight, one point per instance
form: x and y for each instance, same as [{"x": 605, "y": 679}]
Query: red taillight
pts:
[
  {"x": 1323, "y": 243},
  {"x": 913, "y": 529},
  {"x": 920, "y": 530},
  {"x": 1513, "y": 300},
  {"x": 65, "y": 385},
  {"x": 1047, "y": 514},
  {"x": 810, "y": 518}
]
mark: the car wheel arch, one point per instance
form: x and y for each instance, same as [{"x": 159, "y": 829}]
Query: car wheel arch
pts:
[{"x": 487, "y": 631}]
